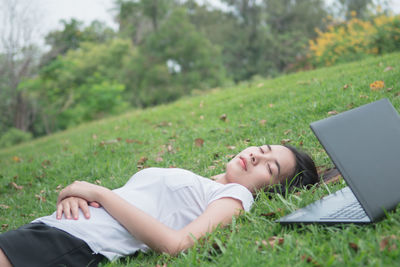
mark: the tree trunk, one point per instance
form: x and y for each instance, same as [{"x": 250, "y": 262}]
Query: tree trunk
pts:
[{"x": 21, "y": 113}]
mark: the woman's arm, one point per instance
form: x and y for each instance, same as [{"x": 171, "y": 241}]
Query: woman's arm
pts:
[{"x": 149, "y": 230}]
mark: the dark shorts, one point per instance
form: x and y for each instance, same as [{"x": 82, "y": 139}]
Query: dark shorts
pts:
[{"x": 37, "y": 244}]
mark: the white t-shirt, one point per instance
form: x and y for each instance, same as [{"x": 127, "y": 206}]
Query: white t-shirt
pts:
[{"x": 175, "y": 197}]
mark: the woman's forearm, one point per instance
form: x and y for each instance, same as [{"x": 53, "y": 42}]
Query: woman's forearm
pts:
[{"x": 141, "y": 225}]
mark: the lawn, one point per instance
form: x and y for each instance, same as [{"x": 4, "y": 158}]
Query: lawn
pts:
[{"x": 201, "y": 133}]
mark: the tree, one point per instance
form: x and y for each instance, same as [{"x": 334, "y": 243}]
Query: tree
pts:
[
  {"x": 137, "y": 18},
  {"x": 82, "y": 85},
  {"x": 269, "y": 35},
  {"x": 72, "y": 35},
  {"x": 19, "y": 58},
  {"x": 358, "y": 8},
  {"x": 175, "y": 60}
]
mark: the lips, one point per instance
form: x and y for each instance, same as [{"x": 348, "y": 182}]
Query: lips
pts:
[{"x": 243, "y": 163}]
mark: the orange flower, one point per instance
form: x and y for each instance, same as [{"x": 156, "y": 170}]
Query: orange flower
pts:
[{"x": 377, "y": 85}]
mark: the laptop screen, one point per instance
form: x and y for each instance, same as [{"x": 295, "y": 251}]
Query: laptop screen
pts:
[{"x": 364, "y": 144}]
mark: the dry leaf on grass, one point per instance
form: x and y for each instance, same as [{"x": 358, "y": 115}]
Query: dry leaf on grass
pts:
[
  {"x": 287, "y": 132},
  {"x": 129, "y": 141},
  {"x": 274, "y": 240},
  {"x": 199, "y": 142},
  {"x": 59, "y": 188},
  {"x": 142, "y": 160},
  {"x": 272, "y": 213},
  {"x": 46, "y": 163},
  {"x": 4, "y": 206},
  {"x": 261, "y": 245},
  {"x": 387, "y": 243},
  {"x": 309, "y": 259},
  {"x": 170, "y": 149},
  {"x": 108, "y": 142},
  {"x": 16, "y": 159},
  {"x": 388, "y": 68},
  {"x": 223, "y": 117},
  {"x": 15, "y": 186},
  {"x": 262, "y": 122},
  {"x": 285, "y": 141},
  {"x": 40, "y": 198},
  {"x": 353, "y": 246},
  {"x": 332, "y": 112}
]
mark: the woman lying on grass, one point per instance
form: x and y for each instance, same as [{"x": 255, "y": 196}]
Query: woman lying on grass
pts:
[{"x": 162, "y": 209}]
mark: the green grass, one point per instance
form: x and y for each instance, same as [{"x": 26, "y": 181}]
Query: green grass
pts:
[{"x": 288, "y": 104}]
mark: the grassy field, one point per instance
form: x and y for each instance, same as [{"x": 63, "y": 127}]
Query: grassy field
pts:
[{"x": 109, "y": 151}]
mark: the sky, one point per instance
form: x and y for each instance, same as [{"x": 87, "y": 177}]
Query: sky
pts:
[
  {"x": 52, "y": 11},
  {"x": 89, "y": 10}
]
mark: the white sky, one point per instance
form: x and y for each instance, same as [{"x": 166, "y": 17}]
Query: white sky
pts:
[
  {"x": 89, "y": 10},
  {"x": 52, "y": 11}
]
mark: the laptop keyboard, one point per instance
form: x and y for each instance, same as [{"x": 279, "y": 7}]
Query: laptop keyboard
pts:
[{"x": 351, "y": 211}]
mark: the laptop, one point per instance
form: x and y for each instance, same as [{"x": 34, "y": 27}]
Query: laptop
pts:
[{"x": 364, "y": 144}]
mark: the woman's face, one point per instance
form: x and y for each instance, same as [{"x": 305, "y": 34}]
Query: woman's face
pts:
[{"x": 257, "y": 167}]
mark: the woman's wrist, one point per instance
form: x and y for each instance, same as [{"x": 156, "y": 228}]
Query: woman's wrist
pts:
[{"x": 102, "y": 193}]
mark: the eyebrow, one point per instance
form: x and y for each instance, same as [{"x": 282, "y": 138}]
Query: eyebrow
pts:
[{"x": 276, "y": 162}]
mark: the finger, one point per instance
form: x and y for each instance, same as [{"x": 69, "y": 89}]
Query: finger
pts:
[
  {"x": 95, "y": 204},
  {"x": 67, "y": 210},
  {"x": 74, "y": 208},
  {"x": 83, "y": 205},
  {"x": 59, "y": 211},
  {"x": 61, "y": 196}
]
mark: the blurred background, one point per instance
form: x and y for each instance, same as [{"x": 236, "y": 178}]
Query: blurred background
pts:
[{"x": 65, "y": 62}]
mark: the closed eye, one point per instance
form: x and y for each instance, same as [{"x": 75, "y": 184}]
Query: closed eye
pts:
[
  {"x": 269, "y": 169},
  {"x": 261, "y": 150}
]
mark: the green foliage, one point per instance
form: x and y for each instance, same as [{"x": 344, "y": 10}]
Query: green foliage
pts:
[
  {"x": 14, "y": 136},
  {"x": 268, "y": 36},
  {"x": 359, "y": 7},
  {"x": 138, "y": 18},
  {"x": 355, "y": 39},
  {"x": 72, "y": 35},
  {"x": 172, "y": 62},
  {"x": 108, "y": 151},
  {"x": 82, "y": 85}
]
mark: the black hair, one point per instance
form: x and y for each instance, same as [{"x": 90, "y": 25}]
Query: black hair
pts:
[{"x": 305, "y": 173}]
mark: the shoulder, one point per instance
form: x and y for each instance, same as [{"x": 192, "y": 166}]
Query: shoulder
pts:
[{"x": 233, "y": 191}]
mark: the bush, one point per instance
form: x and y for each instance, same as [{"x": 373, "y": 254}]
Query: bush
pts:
[
  {"x": 14, "y": 136},
  {"x": 355, "y": 39}
]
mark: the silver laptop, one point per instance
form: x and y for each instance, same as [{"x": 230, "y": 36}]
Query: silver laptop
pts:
[{"x": 364, "y": 144}]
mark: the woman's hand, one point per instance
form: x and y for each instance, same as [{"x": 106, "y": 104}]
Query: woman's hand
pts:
[
  {"x": 70, "y": 207},
  {"x": 84, "y": 190}
]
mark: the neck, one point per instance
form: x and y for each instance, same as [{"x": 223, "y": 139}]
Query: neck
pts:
[{"x": 220, "y": 178}]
